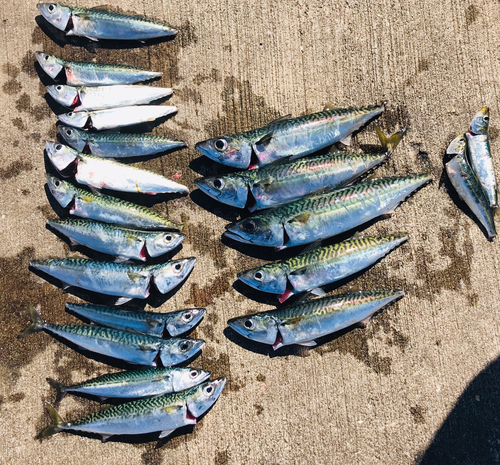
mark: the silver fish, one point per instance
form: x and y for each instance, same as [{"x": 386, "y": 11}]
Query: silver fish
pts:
[
  {"x": 115, "y": 117},
  {"x": 93, "y": 74},
  {"x": 99, "y": 173}
]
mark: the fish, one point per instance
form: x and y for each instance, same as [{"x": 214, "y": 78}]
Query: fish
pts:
[
  {"x": 106, "y": 208},
  {"x": 323, "y": 215},
  {"x": 310, "y": 271},
  {"x": 124, "y": 280},
  {"x": 112, "y": 118},
  {"x": 464, "y": 181},
  {"x": 163, "y": 413},
  {"x": 96, "y": 23},
  {"x": 114, "y": 240},
  {"x": 277, "y": 184},
  {"x": 102, "y": 97},
  {"x": 288, "y": 136},
  {"x": 153, "y": 323},
  {"x": 130, "y": 347},
  {"x": 99, "y": 173},
  {"x": 134, "y": 384},
  {"x": 91, "y": 74},
  {"x": 478, "y": 147},
  {"x": 304, "y": 322},
  {"x": 117, "y": 144}
]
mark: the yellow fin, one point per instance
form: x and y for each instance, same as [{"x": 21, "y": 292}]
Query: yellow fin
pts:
[
  {"x": 301, "y": 219},
  {"x": 390, "y": 143},
  {"x": 329, "y": 106}
]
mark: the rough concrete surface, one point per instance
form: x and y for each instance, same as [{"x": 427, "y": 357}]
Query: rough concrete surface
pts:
[{"x": 420, "y": 383}]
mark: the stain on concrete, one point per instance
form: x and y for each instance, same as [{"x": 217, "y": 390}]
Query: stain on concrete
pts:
[
  {"x": 204, "y": 296},
  {"x": 18, "y": 123},
  {"x": 261, "y": 378},
  {"x": 214, "y": 76},
  {"x": 152, "y": 455},
  {"x": 203, "y": 241},
  {"x": 187, "y": 94},
  {"x": 418, "y": 412},
  {"x": 23, "y": 103},
  {"x": 258, "y": 408},
  {"x": 471, "y": 15},
  {"x": 17, "y": 397},
  {"x": 187, "y": 34},
  {"x": 395, "y": 118},
  {"x": 221, "y": 457},
  {"x": 423, "y": 65},
  {"x": 15, "y": 169},
  {"x": 46, "y": 211},
  {"x": 12, "y": 87},
  {"x": 219, "y": 366},
  {"x": 41, "y": 112},
  {"x": 399, "y": 339}
]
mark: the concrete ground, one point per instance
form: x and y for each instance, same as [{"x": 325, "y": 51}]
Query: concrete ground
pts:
[{"x": 420, "y": 383}]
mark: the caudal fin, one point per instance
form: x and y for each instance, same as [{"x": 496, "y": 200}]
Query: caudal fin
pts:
[
  {"x": 61, "y": 389},
  {"x": 390, "y": 143},
  {"x": 56, "y": 425},
  {"x": 36, "y": 326}
]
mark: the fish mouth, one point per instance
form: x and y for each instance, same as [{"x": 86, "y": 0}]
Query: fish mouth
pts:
[
  {"x": 236, "y": 237},
  {"x": 248, "y": 281},
  {"x": 204, "y": 149},
  {"x": 201, "y": 184}
]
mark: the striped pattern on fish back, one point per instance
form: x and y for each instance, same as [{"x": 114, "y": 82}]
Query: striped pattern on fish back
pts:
[
  {"x": 112, "y": 15},
  {"x": 102, "y": 66},
  {"x": 87, "y": 263},
  {"x": 132, "y": 375},
  {"x": 122, "y": 137}
]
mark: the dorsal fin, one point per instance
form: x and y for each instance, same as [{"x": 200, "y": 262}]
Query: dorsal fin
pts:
[{"x": 281, "y": 118}]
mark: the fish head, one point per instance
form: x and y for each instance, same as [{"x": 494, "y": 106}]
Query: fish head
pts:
[
  {"x": 183, "y": 320},
  {"x": 457, "y": 145},
  {"x": 186, "y": 378},
  {"x": 260, "y": 327},
  {"x": 202, "y": 397},
  {"x": 72, "y": 136},
  {"x": 67, "y": 96},
  {"x": 231, "y": 190},
  {"x": 62, "y": 191},
  {"x": 271, "y": 277},
  {"x": 175, "y": 351},
  {"x": 266, "y": 231},
  {"x": 234, "y": 150},
  {"x": 61, "y": 156},
  {"x": 74, "y": 118},
  {"x": 57, "y": 15},
  {"x": 163, "y": 242},
  {"x": 169, "y": 275},
  {"x": 51, "y": 64},
  {"x": 480, "y": 123}
]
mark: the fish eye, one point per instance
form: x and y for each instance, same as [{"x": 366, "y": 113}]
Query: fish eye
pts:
[
  {"x": 193, "y": 374},
  {"x": 187, "y": 316},
  {"x": 70, "y": 114},
  {"x": 259, "y": 276},
  {"x": 486, "y": 118},
  {"x": 178, "y": 267},
  {"x": 221, "y": 145},
  {"x": 184, "y": 346},
  {"x": 249, "y": 324},
  {"x": 51, "y": 7},
  {"x": 218, "y": 183},
  {"x": 57, "y": 183},
  {"x": 69, "y": 132},
  {"x": 59, "y": 147},
  {"x": 59, "y": 88},
  {"x": 46, "y": 57},
  {"x": 167, "y": 238},
  {"x": 249, "y": 226},
  {"x": 208, "y": 390}
]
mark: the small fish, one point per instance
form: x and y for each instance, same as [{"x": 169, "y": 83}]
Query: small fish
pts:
[
  {"x": 96, "y": 23},
  {"x": 105, "y": 208},
  {"x": 325, "y": 215},
  {"x": 311, "y": 270},
  {"x": 287, "y": 136},
  {"x": 153, "y": 323},
  {"x": 307, "y": 321},
  {"x": 93, "y": 74},
  {"x": 478, "y": 146},
  {"x": 113, "y": 240},
  {"x": 115, "y": 117},
  {"x": 464, "y": 181},
  {"x": 135, "y": 384},
  {"x": 117, "y": 144},
  {"x": 99, "y": 173},
  {"x": 135, "y": 348},
  {"x": 277, "y": 184},
  {"x": 163, "y": 413},
  {"x": 123, "y": 280}
]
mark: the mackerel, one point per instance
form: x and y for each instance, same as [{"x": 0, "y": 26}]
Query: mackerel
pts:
[
  {"x": 307, "y": 321},
  {"x": 106, "y": 208},
  {"x": 136, "y": 348},
  {"x": 325, "y": 215},
  {"x": 324, "y": 265}
]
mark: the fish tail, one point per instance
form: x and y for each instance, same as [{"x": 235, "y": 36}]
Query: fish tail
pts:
[
  {"x": 57, "y": 424},
  {"x": 390, "y": 143},
  {"x": 36, "y": 326},
  {"x": 61, "y": 389}
]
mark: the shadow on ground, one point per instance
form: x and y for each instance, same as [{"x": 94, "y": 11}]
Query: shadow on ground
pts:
[{"x": 471, "y": 433}]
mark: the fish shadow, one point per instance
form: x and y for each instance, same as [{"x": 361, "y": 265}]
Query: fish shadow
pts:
[
  {"x": 206, "y": 167},
  {"x": 225, "y": 212}
]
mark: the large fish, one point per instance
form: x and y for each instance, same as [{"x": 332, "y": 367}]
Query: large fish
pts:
[
  {"x": 93, "y": 74},
  {"x": 163, "y": 413},
  {"x": 99, "y": 173},
  {"x": 464, "y": 181},
  {"x": 97, "y": 23},
  {"x": 307, "y": 321},
  {"x": 102, "y": 97},
  {"x": 134, "y": 384},
  {"x": 478, "y": 146},
  {"x": 156, "y": 324},
  {"x": 115, "y": 117},
  {"x": 288, "y": 137},
  {"x": 325, "y": 215},
  {"x": 117, "y": 144},
  {"x": 311, "y": 270},
  {"x": 277, "y": 184},
  {"x": 105, "y": 208},
  {"x": 131, "y": 347},
  {"x": 123, "y": 280}
]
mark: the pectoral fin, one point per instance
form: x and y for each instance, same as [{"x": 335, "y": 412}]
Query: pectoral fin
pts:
[
  {"x": 166, "y": 433},
  {"x": 136, "y": 277},
  {"x": 363, "y": 323},
  {"x": 318, "y": 291},
  {"x": 329, "y": 106},
  {"x": 292, "y": 322},
  {"x": 152, "y": 322},
  {"x": 346, "y": 140},
  {"x": 301, "y": 219},
  {"x": 308, "y": 343},
  {"x": 123, "y": 300},
  {"x": 281, "y": 118}
]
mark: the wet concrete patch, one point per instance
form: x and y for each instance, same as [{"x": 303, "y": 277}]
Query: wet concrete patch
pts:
[{"x": 15, "y": 169}]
